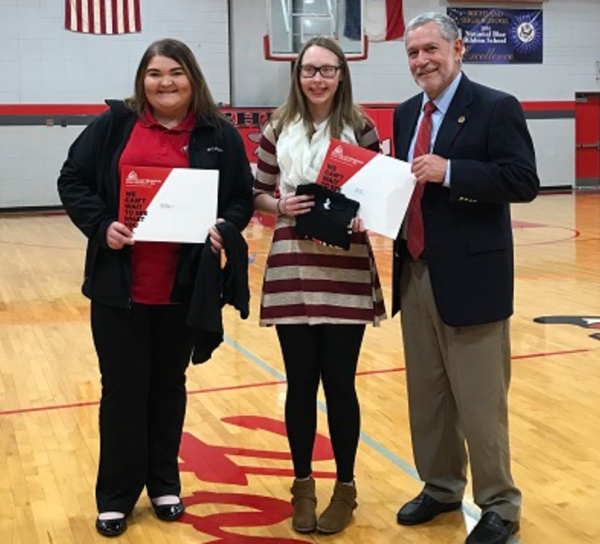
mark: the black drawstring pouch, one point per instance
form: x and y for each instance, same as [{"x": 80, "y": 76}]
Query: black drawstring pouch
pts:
[{"x": 330, "y": 219}]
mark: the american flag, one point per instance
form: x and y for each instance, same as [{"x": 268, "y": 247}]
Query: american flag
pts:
[
  {"x": 103, "y": 16},
  {"x": 382, "y": 19}
]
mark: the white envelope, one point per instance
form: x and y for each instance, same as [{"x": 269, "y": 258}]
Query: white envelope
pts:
[
  {"x": 383, "y": 186},
  {"x": 183, "y": 209}
]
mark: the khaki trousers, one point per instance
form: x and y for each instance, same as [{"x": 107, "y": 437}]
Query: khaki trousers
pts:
[{"x": 458, "y": 379}]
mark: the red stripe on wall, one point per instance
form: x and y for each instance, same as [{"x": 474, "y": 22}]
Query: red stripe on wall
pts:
[
  {"x": 96, "y": 109},
  {"x": 551, "y": 105},
  {"x": 52, "y": 109},
  {"x": 556, "y": 105}
]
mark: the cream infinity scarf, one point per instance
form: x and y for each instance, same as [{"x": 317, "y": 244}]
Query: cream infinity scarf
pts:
[{"x": 299, "y": 159}]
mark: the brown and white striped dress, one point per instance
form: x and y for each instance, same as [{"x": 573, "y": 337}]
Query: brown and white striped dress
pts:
[{"x": 310, "y": 283}]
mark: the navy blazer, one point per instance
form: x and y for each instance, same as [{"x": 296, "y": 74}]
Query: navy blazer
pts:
[{"x": 468, "y": 236}]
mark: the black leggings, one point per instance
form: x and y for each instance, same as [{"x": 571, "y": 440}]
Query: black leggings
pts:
[{"x": 329, "y": 353}]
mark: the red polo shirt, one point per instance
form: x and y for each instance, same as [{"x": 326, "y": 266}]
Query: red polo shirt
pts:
[{"x": 154, "y": 263}]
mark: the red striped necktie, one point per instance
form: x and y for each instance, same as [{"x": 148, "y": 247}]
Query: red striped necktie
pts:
[{"x": 415, "y": 238}]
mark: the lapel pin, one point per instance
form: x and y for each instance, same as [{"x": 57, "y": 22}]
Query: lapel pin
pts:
[{"x": 462, "y": 119}]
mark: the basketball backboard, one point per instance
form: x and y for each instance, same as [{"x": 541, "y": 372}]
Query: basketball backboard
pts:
[{"x": 290, "y": 23}]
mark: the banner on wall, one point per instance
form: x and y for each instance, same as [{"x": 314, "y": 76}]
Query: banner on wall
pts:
[
  {"x": 103, "y": 16},
  {"x": 500, "y": 36}
]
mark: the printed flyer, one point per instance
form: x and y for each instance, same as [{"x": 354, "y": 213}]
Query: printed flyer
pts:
[
  {"x": 168, "y": 204},
  {"x": 383, "y": 185}
]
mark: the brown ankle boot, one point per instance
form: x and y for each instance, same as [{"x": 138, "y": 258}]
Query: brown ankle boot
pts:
[
  {"x": 304, "y": 502},
  {"x": 338, "y": 514}
]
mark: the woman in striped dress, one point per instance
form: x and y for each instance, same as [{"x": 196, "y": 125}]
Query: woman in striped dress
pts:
[{"x": 319, "y": 298}]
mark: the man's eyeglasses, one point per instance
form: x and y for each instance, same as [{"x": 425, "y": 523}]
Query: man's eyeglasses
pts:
[{"x": 327, "y": 72}]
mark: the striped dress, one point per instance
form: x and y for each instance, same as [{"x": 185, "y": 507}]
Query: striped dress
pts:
[{"x": 309, "y": 283}]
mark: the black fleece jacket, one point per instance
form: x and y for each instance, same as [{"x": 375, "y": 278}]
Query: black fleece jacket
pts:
[
  {"x": 88, "y": 186},
  {"x": 204, "y": 270}
]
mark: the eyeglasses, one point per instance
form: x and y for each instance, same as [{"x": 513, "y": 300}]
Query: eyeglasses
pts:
[{"x": 327, "y": 72}]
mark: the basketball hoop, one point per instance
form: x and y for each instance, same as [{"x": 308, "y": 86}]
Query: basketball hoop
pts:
[{"x": 290, "y": 23}]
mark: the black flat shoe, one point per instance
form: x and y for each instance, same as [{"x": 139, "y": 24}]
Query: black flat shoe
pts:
[
  {"x": 111, "y": 527},
  {"x": 424, "y": 508},
  {"x": 492, "y": 529},
  {"x": 169, "y": 512}
]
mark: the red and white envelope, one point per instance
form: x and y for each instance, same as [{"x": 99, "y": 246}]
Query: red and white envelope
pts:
[
  {"x": 383, "y": 185},
  {"x": 168, "y": 204}
]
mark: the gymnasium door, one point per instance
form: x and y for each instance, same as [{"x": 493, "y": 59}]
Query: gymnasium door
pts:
[{"x": 587, "y": 140}]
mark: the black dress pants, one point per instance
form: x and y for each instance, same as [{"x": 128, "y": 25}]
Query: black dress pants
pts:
[
  {"x": 143, "y": 354},
  {"x": 327, "y": 353}
]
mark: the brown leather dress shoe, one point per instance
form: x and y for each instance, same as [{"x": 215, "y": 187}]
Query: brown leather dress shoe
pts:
[
  {"x": 424, "y": 508},
  {"x": 492, "y": 529}
]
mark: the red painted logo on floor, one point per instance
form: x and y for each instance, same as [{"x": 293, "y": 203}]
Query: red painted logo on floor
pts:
[{"x": 216, "y": 464}]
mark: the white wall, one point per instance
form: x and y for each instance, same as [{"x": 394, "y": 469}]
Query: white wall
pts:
[
  {"x": 571, "y": 49},
  {"x": 554, "y": 141},
  {"x": 255, "y": 81},
  {"x": 30, "y": 159},
  {"x": 41, "y": 62}
]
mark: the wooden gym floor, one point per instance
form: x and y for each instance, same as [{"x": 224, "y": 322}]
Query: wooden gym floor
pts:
[{"x": 235, "y": 467}]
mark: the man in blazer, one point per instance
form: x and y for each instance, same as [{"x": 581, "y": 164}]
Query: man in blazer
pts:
[{"x": 456, "y": 295}]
